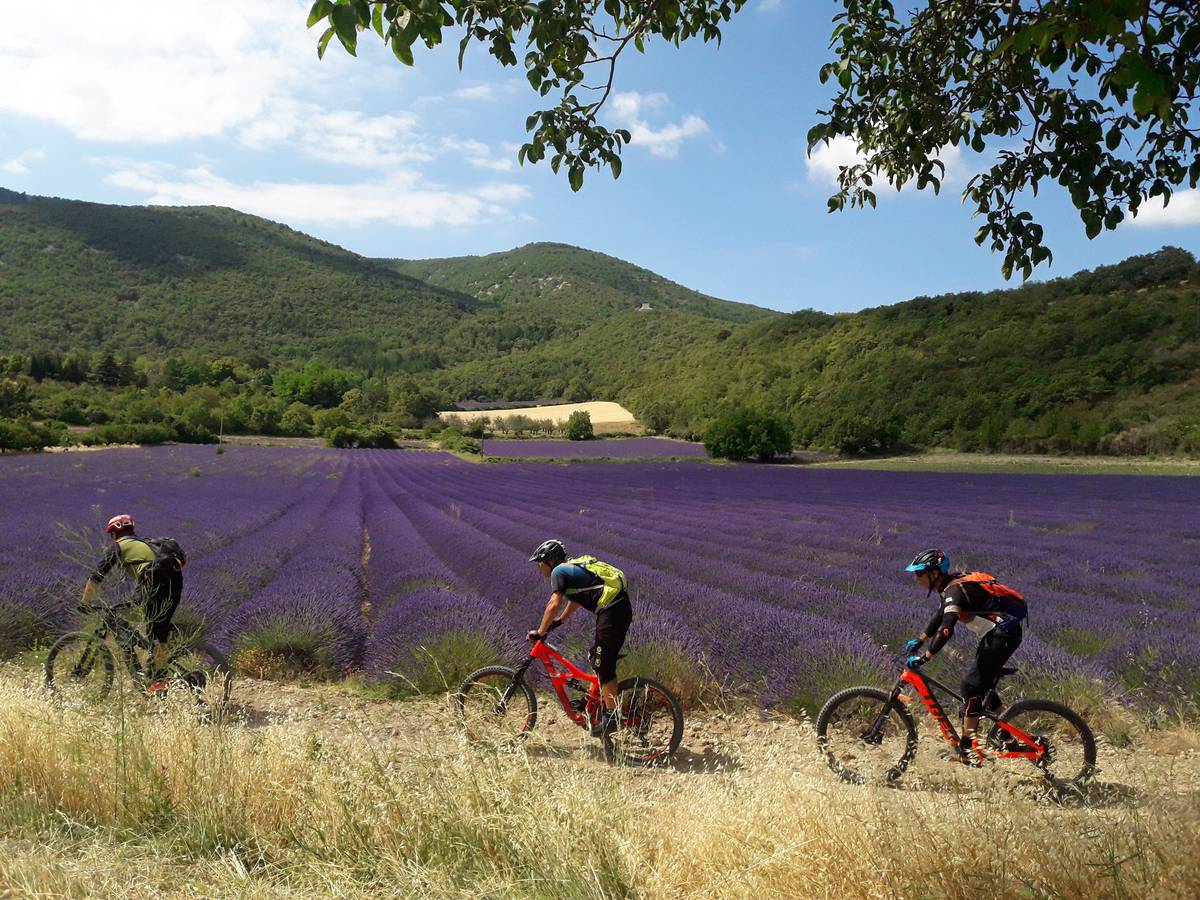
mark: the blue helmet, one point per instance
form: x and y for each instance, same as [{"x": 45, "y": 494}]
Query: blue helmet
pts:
[{"x": 927, "y": 560}]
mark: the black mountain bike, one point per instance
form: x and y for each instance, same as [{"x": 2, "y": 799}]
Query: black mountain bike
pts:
[{"x": 83, "y": 663}]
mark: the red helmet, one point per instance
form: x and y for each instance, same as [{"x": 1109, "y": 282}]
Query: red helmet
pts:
[{"x": 123, "y": 522}]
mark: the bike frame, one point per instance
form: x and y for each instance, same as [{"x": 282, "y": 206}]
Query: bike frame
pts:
[
  {"x": 921, "y": 684},
  {"x": 561, "y": 672},
  {"x": 126, "y": 637}
]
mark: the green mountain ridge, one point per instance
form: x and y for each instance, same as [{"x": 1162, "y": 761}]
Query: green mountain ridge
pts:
[
  {"x": 537, "y": 277},
  {"x": 214, "y": 281},
  {"x": 187, "y": 313}
]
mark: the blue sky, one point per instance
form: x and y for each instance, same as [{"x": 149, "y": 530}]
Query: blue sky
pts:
[{"x": 224, "y": 102}]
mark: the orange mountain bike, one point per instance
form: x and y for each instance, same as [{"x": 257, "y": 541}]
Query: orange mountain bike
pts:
[
  {"x": 868, "y": 735},
  {"x": 498, "y": 706}
]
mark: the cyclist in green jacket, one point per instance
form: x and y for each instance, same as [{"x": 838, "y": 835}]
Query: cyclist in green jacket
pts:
[
  {"x": 161, "y": 587},
  {"x": 599, "y": 588}
]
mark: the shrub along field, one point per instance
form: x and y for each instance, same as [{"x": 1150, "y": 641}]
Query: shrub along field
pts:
[{"x": 781, "y": 584}]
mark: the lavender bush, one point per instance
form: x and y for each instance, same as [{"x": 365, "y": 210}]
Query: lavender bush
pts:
[
  {"x": 787, "y": 583},
  {"x": 614, "y": 448}
]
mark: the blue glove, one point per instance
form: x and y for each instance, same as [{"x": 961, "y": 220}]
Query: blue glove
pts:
[
  {"x": 912, "y": 646},
  {"x": 915, "y": 661}
]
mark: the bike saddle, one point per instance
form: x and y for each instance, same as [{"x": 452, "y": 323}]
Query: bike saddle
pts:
[{"x": 1008, "y": 670}]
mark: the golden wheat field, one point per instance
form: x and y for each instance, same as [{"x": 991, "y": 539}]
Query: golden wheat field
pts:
[
  {"x": 317, "y": 792},
  {"x": 606, "y": 415}
]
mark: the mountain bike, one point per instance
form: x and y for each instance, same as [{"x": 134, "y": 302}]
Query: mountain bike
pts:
[
  {"x": 83, "y": 663},
  {"x": 868, "y": 735},
  {"x": 496, "y": 705}
]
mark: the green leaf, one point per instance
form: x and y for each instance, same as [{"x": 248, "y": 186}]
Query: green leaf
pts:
[
  {"x": 345, "y": 23},
  {"x": 575, "y": 177},
  {"x": 323, "y": 42},
  {"x": 377, "y": 19},
  {"x": 614, "y": 163},
  {"x": 401, "y": 50},
  {"x": 319, "y": 11}
]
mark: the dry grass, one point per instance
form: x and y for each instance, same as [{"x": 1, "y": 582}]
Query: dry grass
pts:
[
  {"x": 142, "y": 800},
  {"x": 606, "y": 415}
]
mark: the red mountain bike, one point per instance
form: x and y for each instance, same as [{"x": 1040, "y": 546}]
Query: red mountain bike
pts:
[
  {"x": 868, "y": 735},
  {"x": 497, "y": 706}
]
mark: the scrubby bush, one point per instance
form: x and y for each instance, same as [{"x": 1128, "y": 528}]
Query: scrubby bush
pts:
[
  {"x": 454, "y": 440},
  {"x": 24, "y": 434},
  {"x": 579, "y": 426},
  {"x": 742, "y": 434},
  {"x": 373, "y": 437},
  {"x": 129, "y": 433}
]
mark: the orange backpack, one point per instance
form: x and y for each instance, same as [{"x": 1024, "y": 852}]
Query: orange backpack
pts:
[{"x": 989, "y": 584}]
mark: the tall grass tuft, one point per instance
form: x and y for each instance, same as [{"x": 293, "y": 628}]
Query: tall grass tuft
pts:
[{"x": 137, "y": 799}]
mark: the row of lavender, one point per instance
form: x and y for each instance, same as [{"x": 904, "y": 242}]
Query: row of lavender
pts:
[
  {"x": 612, "y": 448},
  {"x": 787, "y": 582}
]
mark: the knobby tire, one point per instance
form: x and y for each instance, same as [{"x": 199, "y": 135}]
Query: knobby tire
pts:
[
  {"x": 651, "y": 724},
  {"x": 477, "y": 706},
  {"x": 845, "y": 720}
]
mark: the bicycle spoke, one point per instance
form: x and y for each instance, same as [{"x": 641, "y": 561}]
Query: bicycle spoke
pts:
[
  {"x": 1043, "y": 740},
  {"x": 493, "y": 710},
  {"x": 864, "y": 738},
  {"x": 650, "y": 724},
  {"x": 79, "y": 667}
]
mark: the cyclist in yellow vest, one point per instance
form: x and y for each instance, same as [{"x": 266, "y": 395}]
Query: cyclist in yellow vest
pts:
[
  {"x": 160, "y": 590},
  {"x": 600, "y": 588}
]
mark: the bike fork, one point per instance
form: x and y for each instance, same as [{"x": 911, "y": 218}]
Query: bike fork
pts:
[{"x": 874, "y": 734}]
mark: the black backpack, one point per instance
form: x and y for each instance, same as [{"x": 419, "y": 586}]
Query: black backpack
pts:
[{"x": 169, "y": 557}]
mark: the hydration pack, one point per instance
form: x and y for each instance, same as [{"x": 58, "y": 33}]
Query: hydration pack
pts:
[
  {"x": 169, "y": 557},
  {"x": 612, "y": 578},
  {"x": 989, "y": 584}
]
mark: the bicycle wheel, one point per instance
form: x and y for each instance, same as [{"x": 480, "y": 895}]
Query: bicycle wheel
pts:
[
  {"x": 857, "y": 750},
  {"x": 495, "y": 707},
  {"x": 202, "y": 669},
  {"x": 1064, "y": 751},
  {"x": 651, "y": 724},
  {"x": 79, "y": 665}
]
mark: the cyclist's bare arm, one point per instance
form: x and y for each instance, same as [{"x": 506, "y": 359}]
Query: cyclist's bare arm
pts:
[{"x": 554, "y": 606}]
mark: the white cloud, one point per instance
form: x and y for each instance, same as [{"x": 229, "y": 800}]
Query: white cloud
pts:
[
  {"x": 827, "y": 159},
  {"x": 628, "y": 110},
  {"x": 19, "y": 164},
  {"x": 184, "y": 69},
  {"x": 769, "y": 6},
  {"x": 475, "y": 92},
  {"x": 401, "y": 198},
  {"x": 1182, "y": 211},
  {"x": 478, "y": 154}
]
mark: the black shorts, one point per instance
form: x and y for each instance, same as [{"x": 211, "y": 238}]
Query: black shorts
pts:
[
  {"x": 161, "y": 599},
  {"x": 612, "y": 624},
  {"x": 993, "y": 652}
]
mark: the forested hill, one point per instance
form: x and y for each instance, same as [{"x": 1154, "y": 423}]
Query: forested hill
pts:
[
  {"x": 548, "y": 280},
  {"x": 156, "y": 281},
  {"x": 1102, "y": 360},
  {"x": 208, "y": 318}
]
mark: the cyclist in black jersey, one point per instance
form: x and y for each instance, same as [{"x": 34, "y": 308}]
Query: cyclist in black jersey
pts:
[
  {"x": 160, "y": 590},
  {"x": 992, "y": 610}
]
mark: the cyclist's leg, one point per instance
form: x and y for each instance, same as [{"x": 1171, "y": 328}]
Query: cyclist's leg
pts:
[
  {"x": 993, "y": 652},
  {"x": 162, "y": 599},
  {"x": 612, "y": 624}
]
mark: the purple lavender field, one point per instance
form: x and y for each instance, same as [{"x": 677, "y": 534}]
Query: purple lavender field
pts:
[
  {"x": 785, "y": 583},
  {"x": 614, "y": 448}
]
